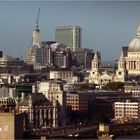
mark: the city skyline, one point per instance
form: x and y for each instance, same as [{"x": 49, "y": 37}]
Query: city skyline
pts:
[{"x": 106, "y": 26}]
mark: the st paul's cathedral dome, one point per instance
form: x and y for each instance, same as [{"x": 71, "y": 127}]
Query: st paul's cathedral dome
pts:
[{"x": 134, "y": 45}]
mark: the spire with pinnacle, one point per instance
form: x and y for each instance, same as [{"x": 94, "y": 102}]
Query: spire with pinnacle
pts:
[
  {"x": 95, "y": 55},
  {"x": 95, "y": 61}
]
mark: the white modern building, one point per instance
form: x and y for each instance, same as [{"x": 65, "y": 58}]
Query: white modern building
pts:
[{"x": 127, "y": 109}]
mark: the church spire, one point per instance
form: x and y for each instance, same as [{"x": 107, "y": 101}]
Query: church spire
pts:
[
  {"x": 95, "y": 55},
  {"x": 95, "y": 61}
]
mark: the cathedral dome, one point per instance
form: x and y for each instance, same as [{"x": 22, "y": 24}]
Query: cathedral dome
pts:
[{"x": 134, "y": 45}]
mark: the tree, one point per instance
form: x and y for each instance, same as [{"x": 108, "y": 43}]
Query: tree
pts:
[{"x": 115, "y": 86}]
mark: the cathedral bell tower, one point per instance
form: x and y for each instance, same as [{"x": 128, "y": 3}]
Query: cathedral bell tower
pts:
[
  {"x": 121, "y": 72},
  {"x": 95, "y": 62},
  {"x": 94, "y": 72}
]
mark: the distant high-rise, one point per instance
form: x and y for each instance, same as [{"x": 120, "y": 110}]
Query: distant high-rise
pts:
[
  {"x": 61, "y": 56},
  {"x": 69, "y": 35},
  {"x": 35, "y": 52},
  {"x": 83, "y": 57},
  {"x": 35, "y": 55}
]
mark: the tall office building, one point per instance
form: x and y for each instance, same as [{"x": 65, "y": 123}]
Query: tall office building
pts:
[
  {"x": 69, "y": 35},
  {"x": 83, "y": 57},
  {"x": 61, "y": 56}
]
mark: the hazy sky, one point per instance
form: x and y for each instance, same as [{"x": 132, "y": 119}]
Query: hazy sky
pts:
[{"x": 106, "y": 26}]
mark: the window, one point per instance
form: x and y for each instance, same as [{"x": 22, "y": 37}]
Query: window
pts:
[{"x": 66, "y": 74}]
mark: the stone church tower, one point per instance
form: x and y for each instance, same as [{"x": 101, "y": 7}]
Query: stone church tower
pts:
[
  {"x": 121, "y": 72},
  {"x": 94, "y": 72}
]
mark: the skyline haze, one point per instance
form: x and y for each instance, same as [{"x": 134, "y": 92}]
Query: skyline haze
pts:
[{"x": 106, "y": 26}]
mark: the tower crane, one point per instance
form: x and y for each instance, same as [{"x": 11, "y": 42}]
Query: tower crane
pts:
[{"x": 37, "y": 20}]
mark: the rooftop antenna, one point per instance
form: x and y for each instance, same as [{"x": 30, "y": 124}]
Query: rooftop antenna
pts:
[{"x": 37, "y": 20}]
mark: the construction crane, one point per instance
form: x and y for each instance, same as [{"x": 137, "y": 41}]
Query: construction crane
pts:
[{"x": 37, "y": 20}]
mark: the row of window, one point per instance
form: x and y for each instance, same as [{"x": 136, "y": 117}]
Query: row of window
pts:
[
  {"x": 134, "y": 53},
  {"x": 120, "y": 115},
  {"x": 131, "y": 105},
  {"x": 73, "y": 96},
  {"x": 6, "y": 101},
  {"x": 128, "y": 111},
  {"x": 126, "y": 108},
  {"x": 63, "y": 74},
  {"x": 72, "y": 103},
  {"x": 72, "y": 100}
]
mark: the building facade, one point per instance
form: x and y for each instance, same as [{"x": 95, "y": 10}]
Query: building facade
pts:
[
  {"x": 83, "y": 57},
  {"x": 133, "y": 88},
  {"x": 69, "y": 35},
  {"x": 127, "y": 110},
  {"x": 35, "y": 55},
  {"x": 98, "y": 76},
  {"x": 61, "y": 56},
  {"x": 77, "y": 101},
  {"x": 53, "y": 91},
  {"x": 9, "y": 61},
  {"x": 39, "y": 110},
  {"x": 11, "y": 126}
]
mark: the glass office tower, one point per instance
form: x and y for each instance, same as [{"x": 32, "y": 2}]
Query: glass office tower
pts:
[{"x": 69, "y": 35}]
